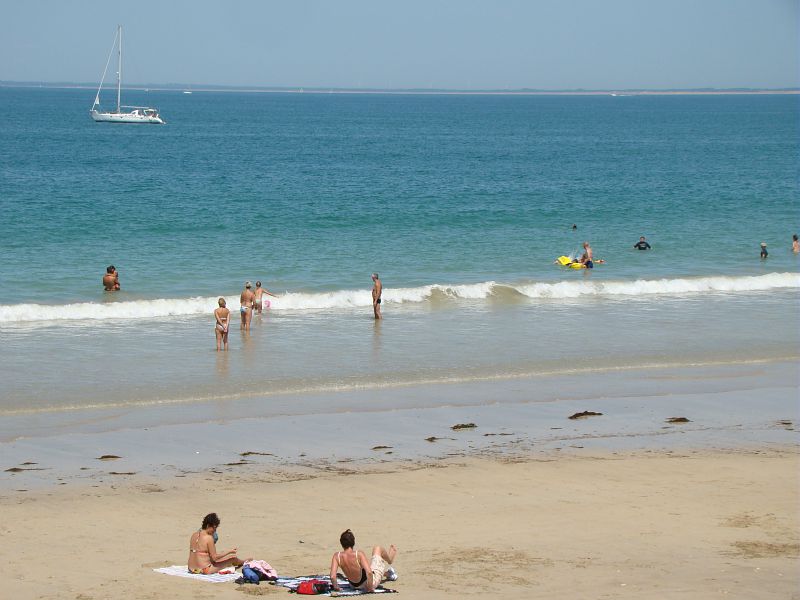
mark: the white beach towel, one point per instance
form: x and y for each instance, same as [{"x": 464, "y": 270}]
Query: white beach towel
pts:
[{"x": 183, "y": 571}]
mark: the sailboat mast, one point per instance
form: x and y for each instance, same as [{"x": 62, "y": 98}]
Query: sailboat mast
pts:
[{"x": 119, "y": 67}]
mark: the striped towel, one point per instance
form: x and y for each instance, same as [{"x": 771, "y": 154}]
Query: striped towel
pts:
[
  {"x": 183, "y": 571},
  {"x": 344, "y": 586}
]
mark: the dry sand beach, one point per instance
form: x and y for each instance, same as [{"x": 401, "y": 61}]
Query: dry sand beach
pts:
[{"x": 648, "y": 524}]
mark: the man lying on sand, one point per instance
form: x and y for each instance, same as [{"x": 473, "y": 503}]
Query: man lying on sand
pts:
[{"x": 361, "y": 573}]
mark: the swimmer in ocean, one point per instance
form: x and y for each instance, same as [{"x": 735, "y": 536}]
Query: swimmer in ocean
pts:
[
  {"x": 111, "y": 279},
  {"x": 764, "y": 253},
  {"x": 642, "y": 244},
  {"x": 377, "y": 290}
]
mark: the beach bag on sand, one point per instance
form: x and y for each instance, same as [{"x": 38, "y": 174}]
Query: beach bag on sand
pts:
[{"x": 312, "y": 587}]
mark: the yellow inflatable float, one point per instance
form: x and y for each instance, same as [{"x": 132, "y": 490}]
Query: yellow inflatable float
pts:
[{"x": 566, "y": 261}]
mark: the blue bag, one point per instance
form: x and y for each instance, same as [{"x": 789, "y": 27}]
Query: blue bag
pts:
[{"x": 250, "y": 575}]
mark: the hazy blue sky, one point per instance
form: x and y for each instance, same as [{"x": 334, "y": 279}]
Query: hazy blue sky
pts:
[{"x": 550, "y": 44}]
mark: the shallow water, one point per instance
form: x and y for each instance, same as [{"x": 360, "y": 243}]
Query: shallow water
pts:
[
  {"x": 128, "y": 363},
  {"x": 461, "y": 203}
]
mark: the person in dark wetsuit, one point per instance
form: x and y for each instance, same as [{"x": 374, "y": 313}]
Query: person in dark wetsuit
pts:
[
  {"x": 764, "y": 253},
  {"x": 642, "y": 244},
  {"x": 363, "y": 574}
]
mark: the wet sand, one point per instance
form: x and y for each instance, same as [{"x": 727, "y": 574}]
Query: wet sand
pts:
[
  {"x": 646, "y": 524},
  {"x": 738, "y": 405}
]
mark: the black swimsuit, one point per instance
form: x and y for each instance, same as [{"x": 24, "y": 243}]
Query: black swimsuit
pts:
[
  {"x": 363, "y": 574},
  {"x": 361, "y": 581}
]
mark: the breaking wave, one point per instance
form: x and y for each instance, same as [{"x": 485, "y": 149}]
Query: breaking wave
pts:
[{"x": 344, "y": 299}]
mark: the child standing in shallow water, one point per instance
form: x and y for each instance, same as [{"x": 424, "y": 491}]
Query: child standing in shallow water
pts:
[{"x": 260, "y": 301}]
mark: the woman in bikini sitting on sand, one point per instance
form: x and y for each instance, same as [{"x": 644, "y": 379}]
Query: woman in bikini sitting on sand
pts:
[
  {"x": 203, "y": 556},
  {"x": 363, "y": 574}
]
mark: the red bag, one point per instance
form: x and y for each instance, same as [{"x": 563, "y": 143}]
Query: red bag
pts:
[{"x": 312, "y": 587}]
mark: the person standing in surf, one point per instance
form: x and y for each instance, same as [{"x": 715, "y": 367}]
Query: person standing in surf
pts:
[
  {"x": 377, "y": 290},
  {"x": 259, "y": 297},
  {"x": 587, "y": 258},
  {"x": 247, "y": 301},
  {"x": 222, "y": 318}
]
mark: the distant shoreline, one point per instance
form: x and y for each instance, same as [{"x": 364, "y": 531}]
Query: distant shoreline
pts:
[{"x": 412, "y": 91}]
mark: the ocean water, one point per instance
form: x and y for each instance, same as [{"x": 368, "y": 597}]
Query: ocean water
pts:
[{"x": 460, "y": 202}]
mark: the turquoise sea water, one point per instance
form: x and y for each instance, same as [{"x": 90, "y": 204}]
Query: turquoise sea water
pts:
[
  {"x": 460, "y": 202},
  {"x": 314, "y": 191}
]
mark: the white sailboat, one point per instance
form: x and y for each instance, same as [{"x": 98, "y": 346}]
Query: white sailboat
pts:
[{"x": 135, "y": 114}]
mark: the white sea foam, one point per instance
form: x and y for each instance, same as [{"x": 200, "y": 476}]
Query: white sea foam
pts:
[
  {"x": 670, "y": 287},
  {"x": 344, "y": 299}
]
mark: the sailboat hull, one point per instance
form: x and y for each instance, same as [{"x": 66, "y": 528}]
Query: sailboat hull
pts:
[{"x": 121, "y": 117}]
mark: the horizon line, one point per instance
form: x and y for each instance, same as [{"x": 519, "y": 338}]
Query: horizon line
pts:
[{"x": 404, "y": 90}]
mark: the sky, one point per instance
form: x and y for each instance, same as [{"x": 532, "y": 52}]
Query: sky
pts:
[{"x": 453, "y": 44}]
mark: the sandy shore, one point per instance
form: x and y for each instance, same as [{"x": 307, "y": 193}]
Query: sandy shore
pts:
[
  {"x": 739, "y": 405},
  {"x": 645, "y": 524}
]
